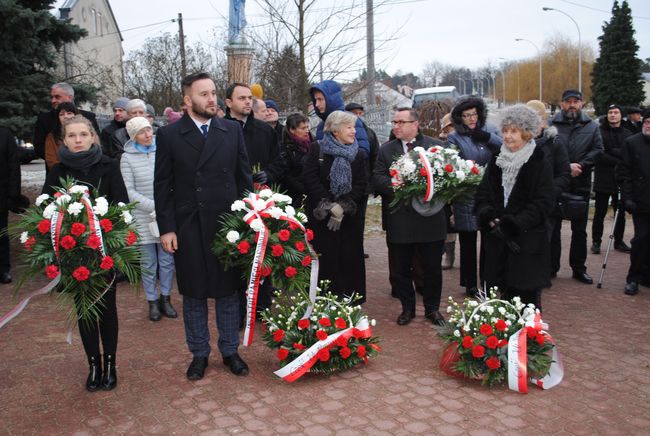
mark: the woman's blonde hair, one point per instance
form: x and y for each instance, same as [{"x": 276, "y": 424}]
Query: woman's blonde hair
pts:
[
  {"x": 78, "y": 119},
  {"x": 337, "y": 120}
]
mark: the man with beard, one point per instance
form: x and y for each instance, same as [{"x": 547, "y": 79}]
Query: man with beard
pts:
[
  {"x": 584, "y": 144},
  {"x": 633, "y": 174},
  {"x": 201, "y": 168}
]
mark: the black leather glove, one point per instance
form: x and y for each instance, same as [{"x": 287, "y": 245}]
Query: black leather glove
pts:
[
  {"x": 323, "y": 209},
  {"x": 260, "y": 177},
  {"x": 479, "y": 135},
  {"x": 512, "y": 245},
  {"x": 629, "y": 206}
]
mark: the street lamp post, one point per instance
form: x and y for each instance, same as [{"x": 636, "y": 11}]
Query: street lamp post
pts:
[
  {"x": 539, "y": 55},
  {"x": 579, "y": 44}
]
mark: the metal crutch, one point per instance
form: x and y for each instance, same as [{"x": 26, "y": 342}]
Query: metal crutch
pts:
[{"x": 609, "y": 245}]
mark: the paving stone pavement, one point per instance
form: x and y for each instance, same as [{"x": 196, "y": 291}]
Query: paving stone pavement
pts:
[{"x": 600, "y": 333}]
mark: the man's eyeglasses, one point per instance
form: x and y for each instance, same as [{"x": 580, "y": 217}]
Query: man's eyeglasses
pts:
[
  {"x": 401, "y": 123},
  {"x": 469, "y": 116}
]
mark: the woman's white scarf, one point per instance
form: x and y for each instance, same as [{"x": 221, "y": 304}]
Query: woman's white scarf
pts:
[{"x": 510, "y": 163}]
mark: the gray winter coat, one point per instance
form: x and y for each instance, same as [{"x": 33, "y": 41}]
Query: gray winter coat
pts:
[{"x": 137, "y": 171}]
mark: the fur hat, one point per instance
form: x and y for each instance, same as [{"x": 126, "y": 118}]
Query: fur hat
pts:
[
  {"x": 466, "y": 103},
  {"x": 270, "y": 104},
  {"x": 134, "y": 125},
  {"x": 539, "y": 107},
  {"x": 520, "y": 116},
  {"x": 121, "y": 103}
]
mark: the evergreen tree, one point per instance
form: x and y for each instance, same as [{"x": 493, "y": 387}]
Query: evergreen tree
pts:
[
  {"x": 31, "y": 36},
  {"x": 616, "y": 76}
]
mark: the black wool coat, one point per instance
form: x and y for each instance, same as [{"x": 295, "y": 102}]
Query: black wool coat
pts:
[
  {"x": 9, "y": 169},
  {"x": 523, "y": 221},
  {"x": 195, "y": 181},
  {"x": 404, "y": 225},
  {"x": 604, "y": 171},
  {"x": 633, "y": 173}
]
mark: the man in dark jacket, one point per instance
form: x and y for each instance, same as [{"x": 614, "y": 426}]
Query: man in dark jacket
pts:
[
  {"x": 407, "y": 232},
  {"x": 9, "y": 192},
  {"x": 134, "y": 108},
  {"x": 261, "y": 141},
  {"x": 46, "y": 121},
  {"x": 272, "y": 118},
  {"x": 118, "y": 122},
  {"x": 613, "y": 134},
  {"x": 582, "y": 138},
  {"x": 633, "y": 174},
  {"x": 201, "y": 168},
  {"x": 633, "y": 122}
]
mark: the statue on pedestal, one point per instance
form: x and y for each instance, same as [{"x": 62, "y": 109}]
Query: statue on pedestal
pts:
[{"x": 236, "y": 22}]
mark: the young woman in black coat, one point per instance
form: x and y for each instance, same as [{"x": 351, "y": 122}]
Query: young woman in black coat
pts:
[
  {"x": 81, "y": 158},
  {"x": 296, "y": 140},
  {"x": 512, "y": 204}
]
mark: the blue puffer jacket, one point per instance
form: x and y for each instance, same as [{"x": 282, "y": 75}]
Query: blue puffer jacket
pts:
[{"x": 334, "y": 102}]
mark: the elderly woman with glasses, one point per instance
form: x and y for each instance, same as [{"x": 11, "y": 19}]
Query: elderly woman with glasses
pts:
[
  {"x": 335, "y": 180},
  {"x": 478, "y": 140},
  {"x": 512, "y": 205}
]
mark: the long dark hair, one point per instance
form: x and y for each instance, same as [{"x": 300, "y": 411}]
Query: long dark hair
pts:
[{"x": 62, "y": 107}]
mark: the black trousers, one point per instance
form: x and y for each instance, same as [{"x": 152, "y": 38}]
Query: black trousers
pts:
[
  {"x": 468, "y": 258},
  {"x": 106, "y": 327},
  {"x": 602, "y": 204},
  {"x": 527, "y": 296},
  {"x": 430, "y": 255},
  {"x": 5, "y": 263},
  {"x": 578, "y": 250},
  {"x": 640, "y": 255}
]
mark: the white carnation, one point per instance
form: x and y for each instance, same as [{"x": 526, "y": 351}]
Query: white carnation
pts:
[
  {"x": 65, "y": 198},
  {"x": 127, "y": 217},
  {"x": 266, "y": 193},
  {"x": 259, "y": 204},
  {"x": 418, "y": 149},
  {"x": 373, "y": 322},
  {"x": 460, "y": 175},
  {"x": 290, "y": 211},
  {"x": 40, "y": 199},
  {"x": 75, "y": 208},
  {"x": 101, "y": 206},
  {"x": 457, "y": 333},
  {"x": 275, "y": 212},
  {"x": 257, "y": 225},
  {"x": 24, "y": 236},
  {"x": 237, "y": 205},
  {"x": 490, "y": 310},
  {"x": 121, "y": 204},
  {"x": 49, "y": 211},
  {"x": 78, "y": 189},
  {"x": 232, "y": 236},
  {"x": 281, "y": 198}
]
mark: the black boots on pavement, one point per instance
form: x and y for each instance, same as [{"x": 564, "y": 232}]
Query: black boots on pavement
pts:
[
  {"x": 162, "y": 306},
  {"x": 98, "y": 378}
]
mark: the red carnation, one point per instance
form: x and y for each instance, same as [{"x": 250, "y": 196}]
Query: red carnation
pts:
[
  {"x": 325, "y": 322},
  {"x": 310, "y": 234},
  {"x": 321, "y": 335},
  {"x": 29, "y": 244},
  {"x": 468, "y": 341},
  {"x": 300, "y": 246},
  {"x": 131, "y": 239},
  {"x": 243, "y": 247},
  {"x": 345, "y": 352},
  {"x": 51, "y": 271},
  {"x": 283, "y": 353},
  {"x": 361, "y": 351},
  {"x": 474, "y": 170},
  {"x": 77, "y": 229},
  {"x": 293, "y": 226},
  {"x": 433, "y": 149},
  {"x": 324, "y": 355},
  {"x": 492, "y": 342},
  {"x": 106, "y": 225},
  {"x": 303, "y": 324},
  {"x": 80, "y": 274},
  {"x": 44, "y": 226},
  {"x": 342, "y": 341},
  {"x": 486, "y": 329},
  {"x": 278, "y": 335},
  {"x": 107, "y": 263},
  {"x": 493, "y": 363},
  {"x": 277, "y": 250},
  {"x": 531, "y": 333},
  {"x": 503, "y": 343},
  {"x": 423, "y": 172},
  {"x": 501, "y": 325},
  {"x": 92, "y": 242},
  {"x": 265, "y": 271},
  {"x": 540, "y": 339},
  {"x": 357, "y": 333},
  {"x": 478, "y": 351},
  {"x": 290, "y": 271},
  {"x": 306, "y": 261},
  {"x": 340, "y": 323},
  {"x": 298, "y": 346},
  {"x": 67, "y": 242},
  {"x": 449, "y": 168},
  {"x": 284, "y": 235}
]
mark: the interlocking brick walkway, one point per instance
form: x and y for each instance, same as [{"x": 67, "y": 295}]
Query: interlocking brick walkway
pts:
[{"x": 601, "y": 334}]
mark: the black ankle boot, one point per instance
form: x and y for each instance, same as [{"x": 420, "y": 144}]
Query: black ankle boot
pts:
[
  {"x": 95, "y": 375},
  {"x": 154, "y": 310},
  {"x": 109, "y": 380},
  {"x": 166, "y": 307}
]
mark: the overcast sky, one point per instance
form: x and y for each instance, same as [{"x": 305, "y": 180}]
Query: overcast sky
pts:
[{"x": 465, "y": 33}]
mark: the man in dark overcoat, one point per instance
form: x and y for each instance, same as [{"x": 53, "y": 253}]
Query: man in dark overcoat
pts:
[
  {"x": 9, "y": 193},
  {"x": 407, "y": 231},
  {"x": 201, "y": 168}
]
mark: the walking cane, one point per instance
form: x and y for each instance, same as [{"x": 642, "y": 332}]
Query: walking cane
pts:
[{"x": 609, "y": 245}]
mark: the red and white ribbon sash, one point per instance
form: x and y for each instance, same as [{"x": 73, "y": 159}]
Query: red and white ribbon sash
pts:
[
  {"x": 431, "y": 187},
  {"x": 301, "y": 364},
  {"x": 93, "y": 222},
  {"x": 518, "y": 359},
  {"x": 23, "y": 303}
]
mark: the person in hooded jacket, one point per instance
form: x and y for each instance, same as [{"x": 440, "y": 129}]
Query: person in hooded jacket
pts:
[
  {"x": 478, "y": 140},
  {"x": 605, "y": 186}
]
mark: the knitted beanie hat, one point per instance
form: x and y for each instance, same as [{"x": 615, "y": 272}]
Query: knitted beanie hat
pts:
[{"x": 134, "y": 125}]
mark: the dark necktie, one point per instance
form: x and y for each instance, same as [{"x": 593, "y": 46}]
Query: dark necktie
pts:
[
  {"x": 409, "y": 146},
  {"x": 204, "y": 129}
]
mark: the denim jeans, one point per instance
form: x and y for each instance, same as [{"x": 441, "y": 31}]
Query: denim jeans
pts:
[
  {"x": 197, "y": 333},
  {"x": 156, "y": 262}
]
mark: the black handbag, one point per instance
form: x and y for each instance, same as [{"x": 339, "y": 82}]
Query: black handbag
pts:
[{"x": 573, "y": 206}]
